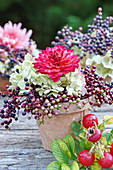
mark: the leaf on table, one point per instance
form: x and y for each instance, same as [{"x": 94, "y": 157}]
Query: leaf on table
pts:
[{"x": 108, "y": 119}]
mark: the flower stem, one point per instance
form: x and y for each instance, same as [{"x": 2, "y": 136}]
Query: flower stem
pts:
[
  {"x": 91, "y": 149},
  {"x": 100, "y": 151}
]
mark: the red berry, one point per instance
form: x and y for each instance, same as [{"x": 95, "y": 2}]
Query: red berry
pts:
[
  {"x": 85, "y": 158},
  {"x": 111, "y": 149},
  {"x": 107, "y": 161},
  {"x": 88, "y": 120},
  {"x": 94, "y": 135}
]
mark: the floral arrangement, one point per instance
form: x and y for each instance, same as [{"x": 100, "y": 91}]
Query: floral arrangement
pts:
[
  {"x": 40, "y": 85},
  {"x": 94, "y": 47},
  {"x": 92, "y": 148},
  {"x": 15, "y": 42}
]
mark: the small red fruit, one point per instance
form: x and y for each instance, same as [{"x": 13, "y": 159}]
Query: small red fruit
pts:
[
  {"x": 111, "y": 149},
  {"x": 94, "y": 135},
  {"x": 88, "y": 120},
  {"x": 85, "y": 158},
  {"x": 107, "y": 161}
]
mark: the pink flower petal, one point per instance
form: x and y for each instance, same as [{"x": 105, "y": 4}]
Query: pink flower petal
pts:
[{"x": 56, "y": 61}]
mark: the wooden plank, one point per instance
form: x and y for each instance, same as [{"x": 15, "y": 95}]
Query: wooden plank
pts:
[{"x": 23, "y": 150}]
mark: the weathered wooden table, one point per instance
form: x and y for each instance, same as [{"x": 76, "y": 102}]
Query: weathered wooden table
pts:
[{"x": 21, "y": 147}]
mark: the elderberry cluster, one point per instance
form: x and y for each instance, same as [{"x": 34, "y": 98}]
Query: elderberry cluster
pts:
[
  {"x": 49, "y": 105},
  {"x": 95, "y": 86},
  {"x": 98, "y": 39},
  {"x": 14, "y": 58}
]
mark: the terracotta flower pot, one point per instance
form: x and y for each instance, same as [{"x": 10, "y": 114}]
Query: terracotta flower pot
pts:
[
  {"x": 60, "y": 126},
  {"x": 3, "y": 82}
]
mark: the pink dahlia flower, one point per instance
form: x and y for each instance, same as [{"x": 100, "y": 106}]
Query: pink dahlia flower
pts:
[
  {"x": 13, "y": 36},
  {"x": 56, "y": 61}
]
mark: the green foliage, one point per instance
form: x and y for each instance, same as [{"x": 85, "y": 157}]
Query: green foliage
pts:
[
  {"x": 61, "y": 151},
  {"x": 95, "y": 166},
  {"x": 65, "y": 167},
  {"x": 67, "y": 151},
  {"x": 71, "y": 145},
  {"x": 46, "y": 17},
  {"x": 77, "y": 146},
  {"x": 74, "y": 166},
  {"x": 54, "y": 166},
  {"x": 76, "y": 128},
  {"x": 108, "y": 136}
]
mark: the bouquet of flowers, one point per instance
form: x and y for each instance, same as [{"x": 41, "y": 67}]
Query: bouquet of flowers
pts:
[{"x": 40, "y": 85}]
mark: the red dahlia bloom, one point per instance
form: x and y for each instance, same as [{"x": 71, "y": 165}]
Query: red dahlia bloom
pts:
[{"x": 56, "y": 61}]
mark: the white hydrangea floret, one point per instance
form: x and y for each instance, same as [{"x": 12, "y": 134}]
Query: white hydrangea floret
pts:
[{"x": 104, "y": 64}]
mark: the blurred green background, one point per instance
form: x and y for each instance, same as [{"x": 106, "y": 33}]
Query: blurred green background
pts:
[{"x": 46, "y": 17}]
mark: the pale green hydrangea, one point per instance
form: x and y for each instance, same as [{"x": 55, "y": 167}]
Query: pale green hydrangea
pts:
[{"x": 104, "y": 64}]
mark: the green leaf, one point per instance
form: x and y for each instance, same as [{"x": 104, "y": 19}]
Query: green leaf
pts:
[
  {"x": 95, "y": 166},
  {"x": 82, "y": 135},
  {"x": 54, "y": 166},
  {"x": 82, "y": 144},
  {"x": 76, "y": 128},
  {"x": 60, "y": 151},
  {"x": 111, "y": 132},
  {"x": 101, "y": 126},
  {"x": 88, "y": 144},
  {"x": 77, "y": 146},
  {"x": 65, "y": 167},
  {"x": 82, "y": 168},
  {"x": 103, "y": 140},
  {"x": 71, "y": 145},
  {"x": 109, "y": 120},
  {"x": 108, "y": 136},
  {"x": 97, "y": 155},
  {"x": 74, "y": 166}
]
